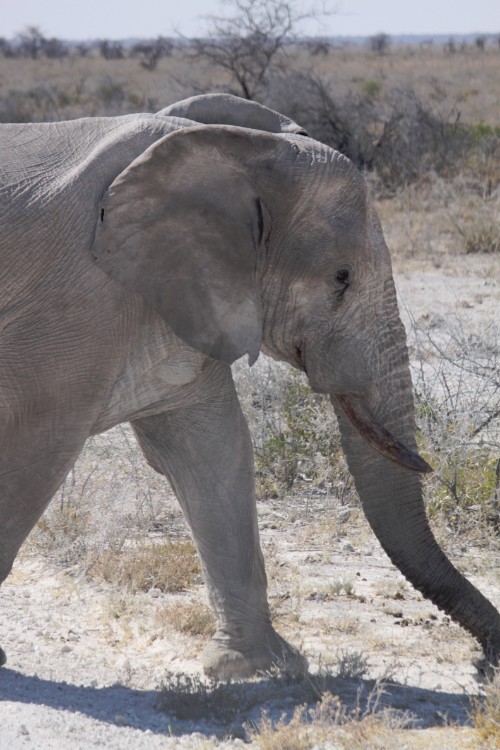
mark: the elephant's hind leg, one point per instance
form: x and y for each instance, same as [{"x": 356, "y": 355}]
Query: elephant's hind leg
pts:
[{"x": 205, "y": 451}]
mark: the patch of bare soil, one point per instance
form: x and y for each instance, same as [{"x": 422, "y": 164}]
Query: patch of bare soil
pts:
[{"x": 92, "y": 666}]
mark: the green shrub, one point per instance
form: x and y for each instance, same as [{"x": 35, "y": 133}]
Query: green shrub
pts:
[
  {"x": 370, "y": 89},
  {"x": 294, "y": 430}
]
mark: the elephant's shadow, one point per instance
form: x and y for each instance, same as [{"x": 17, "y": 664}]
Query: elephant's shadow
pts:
[{"x": 186, "y": 705}]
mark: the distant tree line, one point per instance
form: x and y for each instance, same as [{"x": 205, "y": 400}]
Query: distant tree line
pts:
[
  {"x": 31, "y": 43},
  {"x": 247, "y": 45}
]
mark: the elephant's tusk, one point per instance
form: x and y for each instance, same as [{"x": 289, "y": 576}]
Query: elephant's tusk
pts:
[{"x": 377, "y": 436}]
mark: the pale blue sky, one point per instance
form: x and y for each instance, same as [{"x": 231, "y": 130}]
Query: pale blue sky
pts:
[{"x": 117, "y": 19}]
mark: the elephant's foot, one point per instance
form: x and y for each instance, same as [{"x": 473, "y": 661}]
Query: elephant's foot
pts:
[
  {"x": 3, "y": 657},
  {"x": 488, "y": 664},
  {"x": 225, "y": 659}
]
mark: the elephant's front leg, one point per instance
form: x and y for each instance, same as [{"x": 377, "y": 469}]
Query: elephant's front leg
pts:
[{"x": 206, "y": 452}]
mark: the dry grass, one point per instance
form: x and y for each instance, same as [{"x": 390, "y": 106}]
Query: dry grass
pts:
[
  {"x": 486, "y": 715},
  {"x": 192, "y": 618},
  {"x": 469, "y": 81},
  {"x": 330, "y": 721},
  {"x": 166, "y": 566}
]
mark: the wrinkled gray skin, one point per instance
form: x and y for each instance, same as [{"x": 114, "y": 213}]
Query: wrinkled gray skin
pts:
[{"x": 140, "y": 256}]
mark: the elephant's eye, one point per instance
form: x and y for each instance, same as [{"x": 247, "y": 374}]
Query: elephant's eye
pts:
[{"x": 344, "y": 278}]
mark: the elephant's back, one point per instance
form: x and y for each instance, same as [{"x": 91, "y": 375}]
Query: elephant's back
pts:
[{"x": 52, "y": 176}]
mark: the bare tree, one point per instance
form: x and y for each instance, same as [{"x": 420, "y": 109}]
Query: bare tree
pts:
[
  {"x": 31, "y": 42},
  {"x": 82, "y": 49},
  {"x": 54, "y": 49},
  {"x": 480, "y": 42},
  {"x": 252, "y": 41},
  {"x": 319, "y": 46},
  {"x": 6, "y": 48},
  {"x": 380, "y": 43},
  {"x": 151, "y": 52},
  {"x": 111, "y": 50}
]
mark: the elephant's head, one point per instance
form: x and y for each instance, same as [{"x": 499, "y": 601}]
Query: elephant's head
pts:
[{"x": 245, "y": 240}]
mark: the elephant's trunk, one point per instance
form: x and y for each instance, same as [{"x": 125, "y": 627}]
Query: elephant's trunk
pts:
[
  {"x": 392, "y": 500},
  {"x": 379, "y": 427}
]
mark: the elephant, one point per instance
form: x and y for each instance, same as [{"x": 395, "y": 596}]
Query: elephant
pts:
[{"x": 142, "y": 255}]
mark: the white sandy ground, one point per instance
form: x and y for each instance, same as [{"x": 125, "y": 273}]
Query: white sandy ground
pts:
[{"x": 85, "y": 663}]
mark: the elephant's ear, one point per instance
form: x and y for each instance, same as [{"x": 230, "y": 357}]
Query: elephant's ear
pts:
[{"x": 182, "y": 226}]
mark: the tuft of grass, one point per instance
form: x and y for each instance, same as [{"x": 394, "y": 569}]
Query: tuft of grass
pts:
[
  {"x": 480, "y": 236},
  {"x": 352, "y": 665},
  {"x": 486, "y": 715},
  {"x": 192, "y": 618},
  {"x": 330, "y": 721},
  {"x": 187, "y": 697},
  {"x": 335, "y": 588},
  {"x": 370, "y": 89},
  {"x": 167, "y": 566},
  {"x": 63, "y": 533}
]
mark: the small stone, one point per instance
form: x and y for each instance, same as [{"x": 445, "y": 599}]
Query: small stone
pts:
[
  {"x": 23, "y": 731},
  {"x": 120, "y": 720}
]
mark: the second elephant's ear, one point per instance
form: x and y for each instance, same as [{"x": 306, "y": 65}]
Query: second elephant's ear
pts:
[{"x": 181, "y": 226}]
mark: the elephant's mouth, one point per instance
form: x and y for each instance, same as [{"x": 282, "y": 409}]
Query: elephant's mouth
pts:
[
  {"x": 377, "y": 435},
  {"x": 300, "y": 362}
]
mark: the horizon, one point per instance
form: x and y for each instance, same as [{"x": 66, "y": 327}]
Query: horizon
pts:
[{"x": 125, "y": 19}]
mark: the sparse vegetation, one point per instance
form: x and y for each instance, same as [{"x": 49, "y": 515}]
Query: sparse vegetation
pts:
[
  {"x": 166, "y": 566},
  {"x": 486, "y": 715},
  {"x": 192, "y": 618},
  {"x": 457, "y": 395},
  {"x": 412, "y": 117},
  {"x": 330, "y": 721},
  {"x": 294, "y": 430},
  {"x": 352, "y": 665},
  {"x": 316, "y": 713}
]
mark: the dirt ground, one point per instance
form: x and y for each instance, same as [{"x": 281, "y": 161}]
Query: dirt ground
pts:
[{"x": 86, "y": 662}]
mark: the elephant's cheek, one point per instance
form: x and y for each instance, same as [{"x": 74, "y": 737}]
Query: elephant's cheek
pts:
[{"x": 338, "y": 367}]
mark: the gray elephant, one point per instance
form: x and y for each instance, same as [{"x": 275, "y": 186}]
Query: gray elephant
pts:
[{"x": 141, "y": 256}]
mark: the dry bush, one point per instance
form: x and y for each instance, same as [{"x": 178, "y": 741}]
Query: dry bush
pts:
[
  {"x": 167, "y": 566},
  {"x": 393, "y": 132},
  {"x": 457, "y": 387},
  {"x": 109, "y": 500}
]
